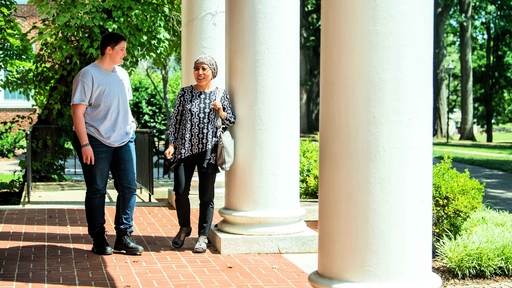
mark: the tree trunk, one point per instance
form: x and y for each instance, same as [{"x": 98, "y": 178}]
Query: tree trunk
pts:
[
  {"x": 304, "y": 119},
  {"x": 164, "y": 71},
  {"x": 466, "y": 72},
  {"x": 441, "y": 13},
  {"x": 488, "y": 83},
  {"x": 310, "y": 68}
]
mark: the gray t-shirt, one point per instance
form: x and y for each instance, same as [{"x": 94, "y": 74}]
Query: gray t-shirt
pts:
[{"x": 107, "y": 95}]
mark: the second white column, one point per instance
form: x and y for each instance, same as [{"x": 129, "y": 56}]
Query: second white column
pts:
[{"x": 262, "y": 187}]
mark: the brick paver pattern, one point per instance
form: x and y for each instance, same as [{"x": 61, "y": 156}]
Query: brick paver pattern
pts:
[{"x": 50, "y": 247}]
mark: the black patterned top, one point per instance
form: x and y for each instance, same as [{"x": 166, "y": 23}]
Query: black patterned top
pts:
[{"x": 193, "y": 128}]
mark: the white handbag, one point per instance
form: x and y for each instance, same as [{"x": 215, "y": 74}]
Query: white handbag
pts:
[{"x": 226, "y": 145}]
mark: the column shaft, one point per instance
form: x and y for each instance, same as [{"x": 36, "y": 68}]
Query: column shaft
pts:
[
  {"x": 203, "y": 32},
  {"x": 375, "y": 216},
  {"x": 262, "y": 187}
]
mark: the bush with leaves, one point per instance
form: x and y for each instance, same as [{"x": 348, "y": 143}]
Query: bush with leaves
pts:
[
  {"x": 455, "y": 197},
  {"x": 10, "y": 139},
  {"x": 482, "y": 248},
  {"x": 147, "y": 103},
  {"x": 11, "y": 188},
  {"x": 309, "y": 168},
  {"x": 12, "y": 135}
]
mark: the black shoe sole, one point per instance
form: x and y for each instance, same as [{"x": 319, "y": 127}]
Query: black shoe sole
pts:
[
  {"x": 128, "y": 251},
  {"x": 106, "y": 252}
]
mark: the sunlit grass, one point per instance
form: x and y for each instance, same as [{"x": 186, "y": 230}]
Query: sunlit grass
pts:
[
  {"x": 483, "y": 248},
  {"x": 7, "y": 177},
  {"x": 497, "y": 156}
]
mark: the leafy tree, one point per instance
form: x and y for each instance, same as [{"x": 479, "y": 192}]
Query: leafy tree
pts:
[
  {"x": 310, "y": 65},
  {"x": 492, "y": 70},
  {"x": 167, "y": 58},
  {"x": 16, "y": 52},
  {"x": 148, "y": 106},
  {"x": 68, "y": 37}
]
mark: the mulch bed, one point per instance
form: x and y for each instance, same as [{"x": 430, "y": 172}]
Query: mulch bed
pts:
[{"x": 452, "y": 281}]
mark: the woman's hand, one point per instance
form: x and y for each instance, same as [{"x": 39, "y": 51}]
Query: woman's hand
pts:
[
  {"x": 218, "y": 106},
  {"x": 169, "y": 151}
]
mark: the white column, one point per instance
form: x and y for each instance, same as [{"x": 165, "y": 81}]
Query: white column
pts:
[
  {"x": 262, "y": 187},
  {"x": 203, "y": 32},
  {"x": 375, "y": 215}
]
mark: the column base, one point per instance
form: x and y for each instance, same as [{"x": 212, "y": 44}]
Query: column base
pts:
[
  {"x": 227, "y": 243},
  {"x": 282, "y": 222},
  {"x": 318, "y": 281}
]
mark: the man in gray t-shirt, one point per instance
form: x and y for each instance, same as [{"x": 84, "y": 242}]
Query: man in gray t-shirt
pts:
[{"x": 104, "y": 142}]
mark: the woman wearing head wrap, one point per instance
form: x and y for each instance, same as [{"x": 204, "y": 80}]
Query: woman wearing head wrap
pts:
[{"x": 192, "y": 144}]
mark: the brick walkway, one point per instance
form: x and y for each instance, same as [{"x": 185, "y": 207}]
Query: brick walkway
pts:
[{"x": 49, "y": 247}]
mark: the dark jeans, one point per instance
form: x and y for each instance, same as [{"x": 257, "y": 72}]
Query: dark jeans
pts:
[
  {"x": 120, "y": 162},
  {"x": 183, "y": 174}
]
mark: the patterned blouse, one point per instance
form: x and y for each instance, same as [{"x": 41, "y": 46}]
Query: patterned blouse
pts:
[{"x": 193, "y": 126}]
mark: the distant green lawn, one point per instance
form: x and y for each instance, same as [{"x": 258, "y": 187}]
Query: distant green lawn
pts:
[{"x": 496, "y": 155}]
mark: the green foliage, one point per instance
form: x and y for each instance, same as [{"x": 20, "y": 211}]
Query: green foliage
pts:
[
  {"x": 147, "y": 104},
  {"x": 16, "y": 52},
  {"x": 482, "y": 248},
  {"x": 68, "y": 39},
  {"x": 492, "y": 64},
  {"x": 10, "y": 139},
  {"x": 11, "y": 182},
  {"x": 11, "y": 188},
  {"x": 309, "y": 168},
  {"x": 48, "y": 163},
  {"x": 455, "y": 196}
]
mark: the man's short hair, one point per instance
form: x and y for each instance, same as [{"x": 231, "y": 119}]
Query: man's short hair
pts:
[{"x": 110, "y": 39}]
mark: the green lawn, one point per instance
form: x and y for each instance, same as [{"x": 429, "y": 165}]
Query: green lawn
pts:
[
  {"x": 497, "y": 155},
  {"x": 7, "y": 177}
]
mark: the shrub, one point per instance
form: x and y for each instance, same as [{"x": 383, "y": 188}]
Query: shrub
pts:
[
  {"x": 455, "y": 196},
  {"x": 147, "y": 103},
  {"x": 11, "y": 188},
  {"x": 309, "y": 168},
  {"x": 483, "y": 247},
  {"x": 11, "y": 139}
]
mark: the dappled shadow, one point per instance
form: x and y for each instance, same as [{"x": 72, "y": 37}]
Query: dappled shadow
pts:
[{"x": 52, "y": 264}]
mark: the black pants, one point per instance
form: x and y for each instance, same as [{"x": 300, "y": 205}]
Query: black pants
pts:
[{"x": 183, "y": 174}]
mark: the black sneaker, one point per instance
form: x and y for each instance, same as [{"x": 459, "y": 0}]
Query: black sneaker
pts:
[
  {"x": 124, "y": 242},
  {"x": 100, "y": 244}
]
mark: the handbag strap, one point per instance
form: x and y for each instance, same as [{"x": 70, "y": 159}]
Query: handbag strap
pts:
[{"x": 218, "y": 120}]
